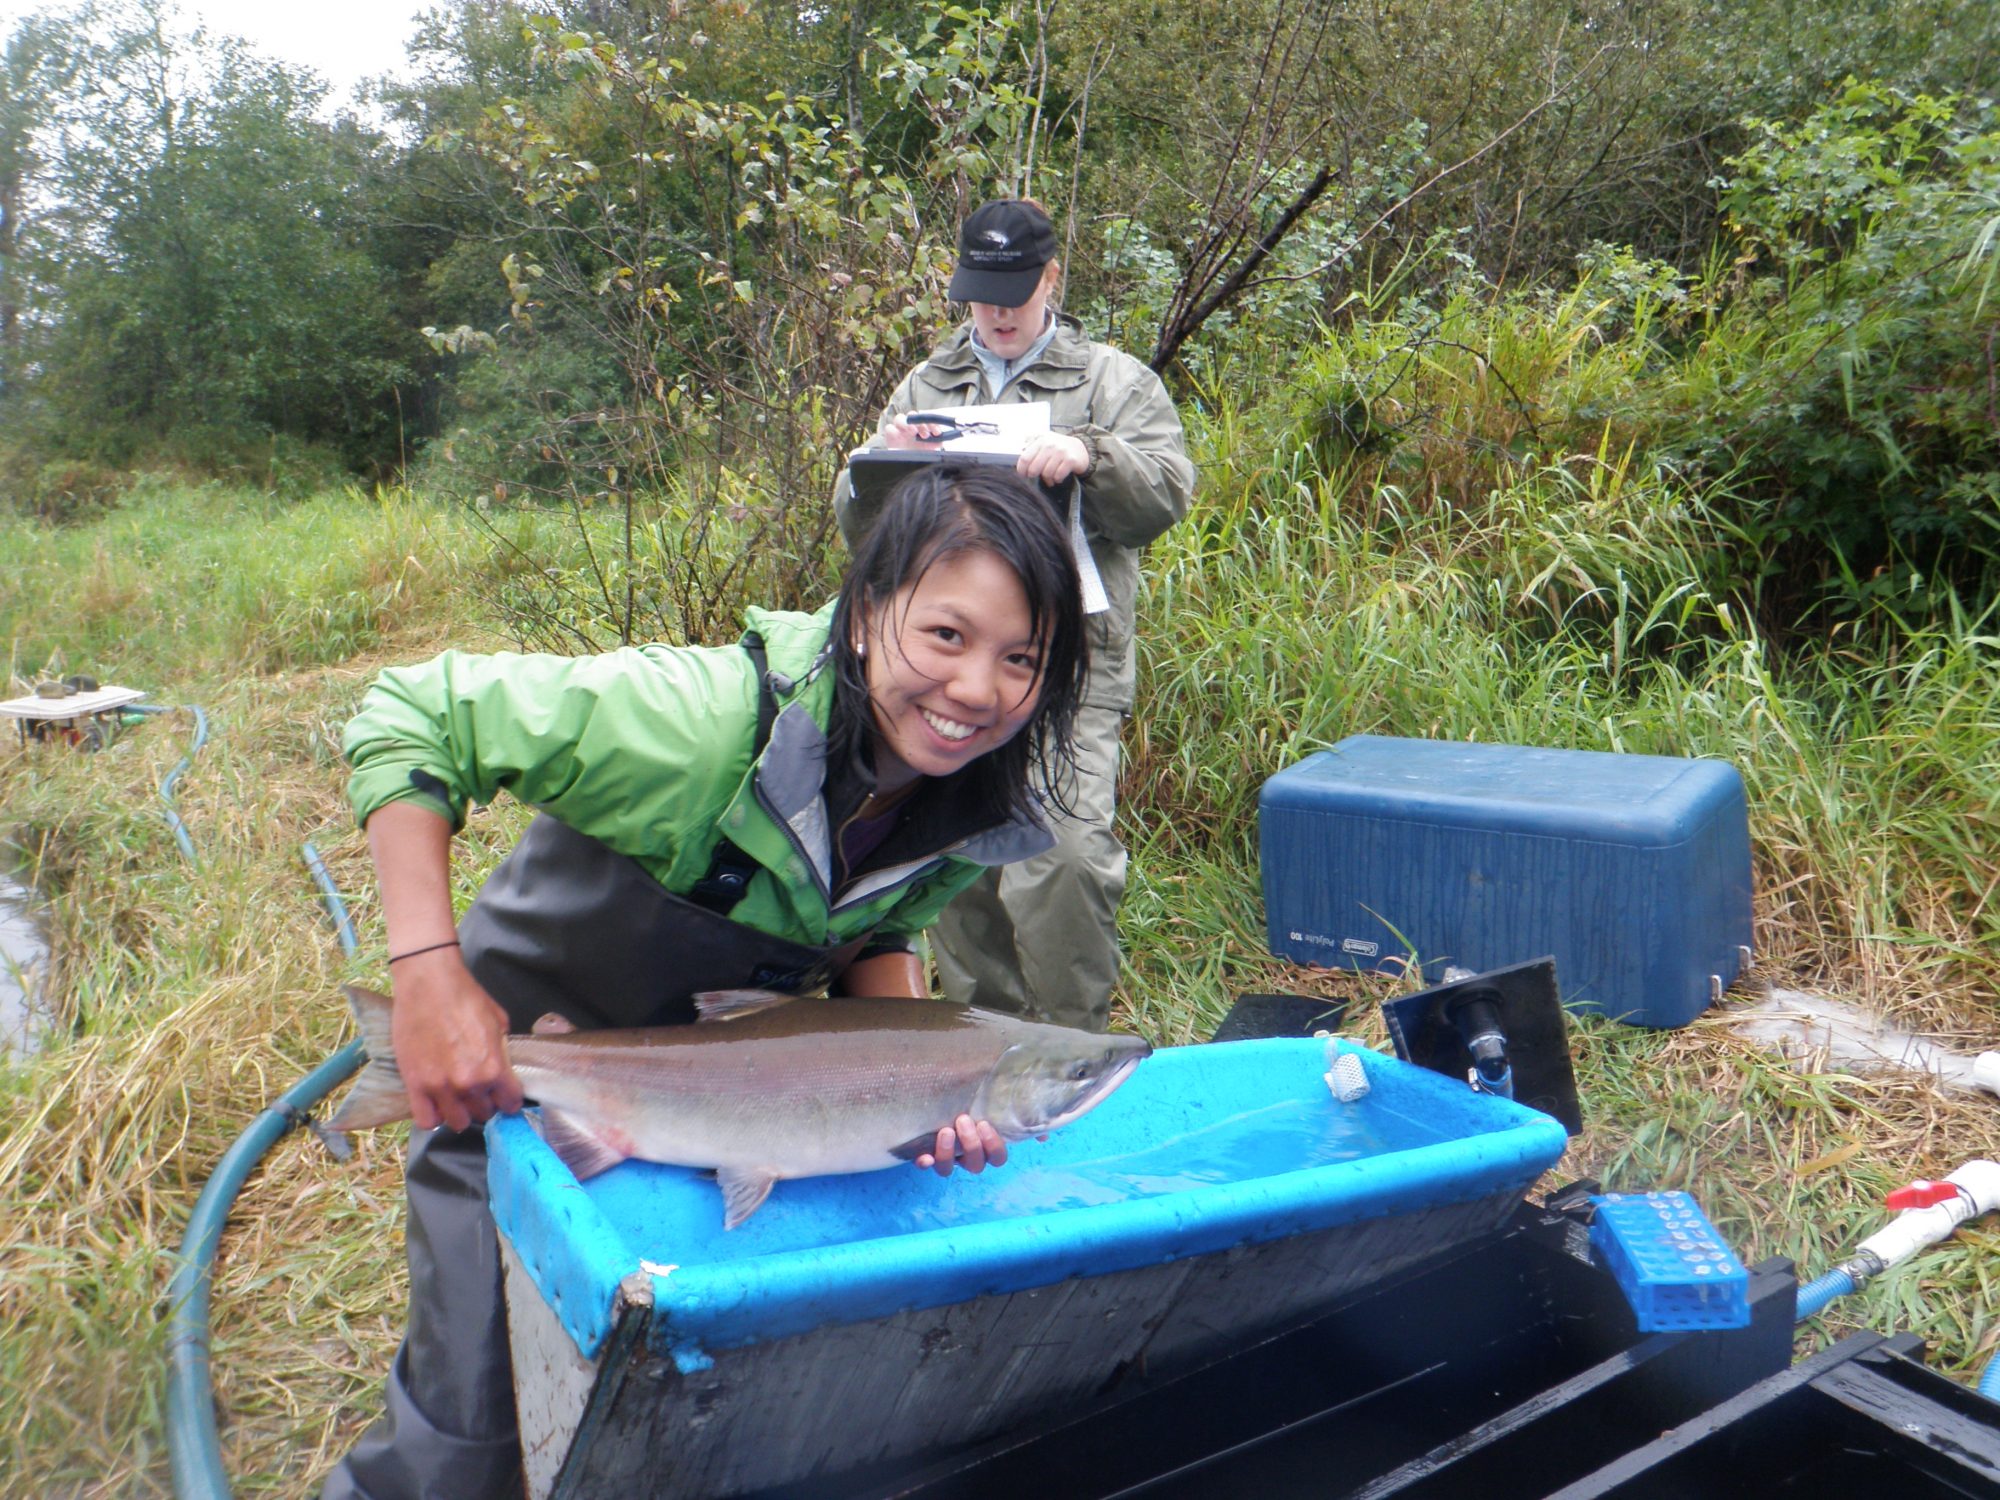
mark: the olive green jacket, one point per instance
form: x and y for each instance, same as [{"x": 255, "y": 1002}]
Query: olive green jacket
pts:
[
  {"x": 1139, "y": 482},
  {"x": 649, "y": 750}
]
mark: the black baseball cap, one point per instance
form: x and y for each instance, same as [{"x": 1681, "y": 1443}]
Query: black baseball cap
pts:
[{"x": 1002, "y": 248}]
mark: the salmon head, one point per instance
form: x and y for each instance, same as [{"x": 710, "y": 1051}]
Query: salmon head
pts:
[{"x": 1054, "y": 1076}]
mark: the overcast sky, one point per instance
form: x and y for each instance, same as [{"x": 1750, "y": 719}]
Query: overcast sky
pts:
[{"x": 342, "y": 42}]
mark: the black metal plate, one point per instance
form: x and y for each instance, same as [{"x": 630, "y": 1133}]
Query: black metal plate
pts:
[{"x": 1532, "y": 1017}]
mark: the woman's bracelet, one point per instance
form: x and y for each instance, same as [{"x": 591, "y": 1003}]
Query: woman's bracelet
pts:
[{"x": 396, "y": 958}]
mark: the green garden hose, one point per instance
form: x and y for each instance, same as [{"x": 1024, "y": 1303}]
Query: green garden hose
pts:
[
  {"x": 167, "y": 782},
  {"x": 192, "y": 1441}
]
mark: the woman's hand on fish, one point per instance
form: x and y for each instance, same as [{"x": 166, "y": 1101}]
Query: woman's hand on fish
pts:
[
  {"x": 972, "y": 1144},
  {"x": 451, "y": 1044},
  {"x": 449, "y": 1036}
]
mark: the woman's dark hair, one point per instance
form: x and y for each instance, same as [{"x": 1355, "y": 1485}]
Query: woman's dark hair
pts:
[{"x": 942, "y": 512}]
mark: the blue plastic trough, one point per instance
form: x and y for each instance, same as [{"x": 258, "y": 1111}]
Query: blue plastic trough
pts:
[{"x": 1221, "y": 1196}]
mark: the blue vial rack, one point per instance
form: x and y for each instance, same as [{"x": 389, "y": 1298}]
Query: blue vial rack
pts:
[{"x": 1667, "y": 1258}]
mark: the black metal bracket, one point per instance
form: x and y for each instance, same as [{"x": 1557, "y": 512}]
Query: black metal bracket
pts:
[{"x": 1505, "y": 1020}]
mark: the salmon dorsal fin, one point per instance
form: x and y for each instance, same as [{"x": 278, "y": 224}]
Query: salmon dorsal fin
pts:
[
  {"x": 582, "y": 1150},
  {"x": 734, "y": 1005},
  {"x": 744, "y": 1190}
]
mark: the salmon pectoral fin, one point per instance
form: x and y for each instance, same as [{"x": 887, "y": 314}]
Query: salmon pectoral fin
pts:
[
  {"x": 583, "y": 1150},
  {"x": 744, "y": 1190},
  {"x": 916, "y": 1146}
]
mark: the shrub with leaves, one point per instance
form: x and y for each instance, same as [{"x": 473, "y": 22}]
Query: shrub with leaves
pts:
[
  {"x": 1851, "y": 385},
  {"x": 729, "y": 283}
]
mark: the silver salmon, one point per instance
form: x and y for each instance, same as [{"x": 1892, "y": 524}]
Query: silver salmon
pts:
[{"x": 769, "y": 1086}]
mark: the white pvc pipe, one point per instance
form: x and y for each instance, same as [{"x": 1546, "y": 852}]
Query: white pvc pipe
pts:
[
  {"x": 1978, "y": 1184},
  {"x": 1986, "y": 1071}
]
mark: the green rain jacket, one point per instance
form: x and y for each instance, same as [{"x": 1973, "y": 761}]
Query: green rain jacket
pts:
[
  {"x": 1139, "y": 482},
  {"x": 648, "y": 750}
]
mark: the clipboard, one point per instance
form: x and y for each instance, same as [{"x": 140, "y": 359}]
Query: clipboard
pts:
[{"x": 873, "y": 472}]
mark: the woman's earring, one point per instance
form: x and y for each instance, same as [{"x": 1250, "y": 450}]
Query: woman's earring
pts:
[{"x": 860, "y": 647}]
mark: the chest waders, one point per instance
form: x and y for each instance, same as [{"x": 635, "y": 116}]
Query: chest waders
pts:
[{"x": 567, "y": 925}]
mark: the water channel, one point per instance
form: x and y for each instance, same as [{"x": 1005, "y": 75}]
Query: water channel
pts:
[{"x": 24, "y": 954}]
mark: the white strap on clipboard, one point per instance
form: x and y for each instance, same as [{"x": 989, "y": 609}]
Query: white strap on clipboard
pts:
[{"x": 1095, "y": 601}]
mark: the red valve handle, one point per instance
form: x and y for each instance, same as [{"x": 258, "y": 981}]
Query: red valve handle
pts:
[{"x": 1923, "y": 1194}]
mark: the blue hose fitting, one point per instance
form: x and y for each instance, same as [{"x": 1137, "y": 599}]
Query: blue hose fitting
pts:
[{"x": 1816, "y": 1294}]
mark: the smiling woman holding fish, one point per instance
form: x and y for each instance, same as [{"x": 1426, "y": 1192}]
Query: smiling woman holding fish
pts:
[{"x": 785, "y": 814}]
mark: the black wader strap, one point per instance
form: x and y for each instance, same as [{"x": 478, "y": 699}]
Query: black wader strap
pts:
[{"x": 729, "y": 868}]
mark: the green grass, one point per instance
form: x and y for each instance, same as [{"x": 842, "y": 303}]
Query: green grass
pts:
[
  {"x": 194, "y": 995},
  {"x": 179, "y": 576},
  {"x": 1555, "y": 591}
]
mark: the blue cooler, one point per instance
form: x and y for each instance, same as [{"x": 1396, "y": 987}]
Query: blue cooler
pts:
[{"x": 1632, "y": 871}]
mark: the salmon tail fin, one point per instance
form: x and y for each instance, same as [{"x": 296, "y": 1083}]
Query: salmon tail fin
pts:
[
  {"x": 734, "y": 1005},
  {"x": 583, "y": 1150},
  {"x": 378, "y": 1096},
  {"x": 744, "y": 1190}
]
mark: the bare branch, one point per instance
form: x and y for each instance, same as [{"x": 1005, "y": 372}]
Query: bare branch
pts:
[{"x": 1182, "y": 325}]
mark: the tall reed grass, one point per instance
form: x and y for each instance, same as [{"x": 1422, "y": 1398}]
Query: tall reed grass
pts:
[
  {"x": 189, "y": 996},
  {"x": 177, "y": 575}
]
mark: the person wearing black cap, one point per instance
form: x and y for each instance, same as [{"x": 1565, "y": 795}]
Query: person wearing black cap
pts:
[{"x": 1041, "y": 939}]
